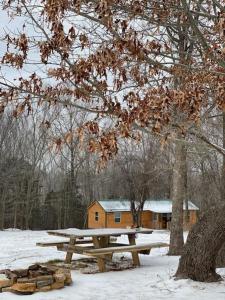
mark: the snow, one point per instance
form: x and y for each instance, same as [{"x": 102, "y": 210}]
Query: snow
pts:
[
  {"x": 157, "y": 206},
  {"x": 98, "y": 232},
  {"x": 115, "y": 205},
  {"x": 165, "y": 206},
  {"x": 153, "y": 280}
]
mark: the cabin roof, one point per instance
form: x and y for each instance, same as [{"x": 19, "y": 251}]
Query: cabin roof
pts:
[{"x": 157, "y": 206}]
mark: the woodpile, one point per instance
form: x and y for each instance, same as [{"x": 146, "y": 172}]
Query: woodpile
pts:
[{"x": 36, "y": 278}]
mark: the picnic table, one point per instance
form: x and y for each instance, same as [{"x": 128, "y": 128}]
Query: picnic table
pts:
[{"x": 101, "y": 243}]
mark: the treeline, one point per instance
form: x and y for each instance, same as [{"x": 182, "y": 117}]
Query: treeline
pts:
[{"x": 43, "y": 187}]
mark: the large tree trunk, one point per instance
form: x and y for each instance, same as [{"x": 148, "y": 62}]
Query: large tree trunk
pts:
[
  {"x": 198, "y": 261},
  {"x": 220, "y": 262},
  {"x": 178, "y": 198}
]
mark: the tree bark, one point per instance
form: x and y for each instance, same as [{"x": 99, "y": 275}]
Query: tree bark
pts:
[
  {"x": 220, "y": 261},
  {"x": 198, "y": 261},
  {"x": 186, "y": 212},
  {"x": 15, "y": 215},
  {"x": 178, "y": 199},
  {"x": 223, "y": 167},
  {"x": 2, "y": 219}
]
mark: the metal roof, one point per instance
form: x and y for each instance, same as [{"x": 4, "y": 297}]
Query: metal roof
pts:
[{"x": 157, "y": 206}]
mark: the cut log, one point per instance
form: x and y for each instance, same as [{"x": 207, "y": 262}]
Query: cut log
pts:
[
  {"x": 57, "y": 285},
  {"x": 59, "y": 277},
  {"x": 35, "y": 279},
  {"x": 44, "y": 283},
  {"x": 34, "y": 282},
  {"x": 4, "y": 281},
  {"x": 7, "y": 289},
  {"x": 44, "y": 289},
  {"x": 20, "y": 273},
  {"x": 35, "y": 267},
  {"x": 24, "y": 287},
  {"x": 67, "y": 273}
]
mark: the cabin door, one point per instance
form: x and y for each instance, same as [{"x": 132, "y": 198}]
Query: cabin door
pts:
[{"x": 164, "y": 221}]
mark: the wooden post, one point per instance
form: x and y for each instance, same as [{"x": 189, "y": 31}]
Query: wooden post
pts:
[
  {"x": 69, "y": 255},
  {"x": 135, "y": 257},
  {"x": 101, "y": 261},
  {"x": 104, "y": 242}
]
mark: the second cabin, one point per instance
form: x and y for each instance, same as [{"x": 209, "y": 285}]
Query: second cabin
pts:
[{"x": 117, "y": 214}]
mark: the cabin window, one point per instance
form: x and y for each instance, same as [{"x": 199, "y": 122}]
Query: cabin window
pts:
[
  {"x": 117, "y": 217},
  {"x": 155, "y": 217},
  {"x": 96, "y": 216}
]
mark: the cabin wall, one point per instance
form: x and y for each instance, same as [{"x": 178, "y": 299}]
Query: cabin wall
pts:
[
  {"x": 125, "y": 220},
  {"x": 146, "y": 219},
  {"x": 107, "y": 219},
  {"x": 92, "y": 223}
]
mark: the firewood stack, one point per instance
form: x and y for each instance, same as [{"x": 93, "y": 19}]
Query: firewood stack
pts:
[{"x": 36, "y": 278}]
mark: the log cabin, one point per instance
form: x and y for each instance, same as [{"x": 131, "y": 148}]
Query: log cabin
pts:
[{"x": 117, "y": 214}]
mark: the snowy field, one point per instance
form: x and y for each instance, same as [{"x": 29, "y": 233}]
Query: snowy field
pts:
[{"x": 153, "y": 280}]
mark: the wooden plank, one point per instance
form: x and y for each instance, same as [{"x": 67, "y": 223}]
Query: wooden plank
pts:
[
  {"x": 83, "y": 242},
  {"x": 80, "y": 249},
  {"x": 51, "y": 244},
  {"x": 116, "y": 244},
  {"x": 73, "y": 249},
  {"x": 127, "y": 248}
]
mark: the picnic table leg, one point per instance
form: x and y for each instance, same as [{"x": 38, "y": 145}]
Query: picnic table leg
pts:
[
  {"x": 101, "y": 261},
  {"x": 69, "y": 255},
  {"x": 135, "y": 256},
  {"x": 104, "y": 243}
]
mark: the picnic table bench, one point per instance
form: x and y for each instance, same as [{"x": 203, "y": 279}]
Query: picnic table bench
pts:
[
  {"x": 101, "y": 243},
  {"x": 128, "y": 248},
  {"x": 60, "y": 243}
]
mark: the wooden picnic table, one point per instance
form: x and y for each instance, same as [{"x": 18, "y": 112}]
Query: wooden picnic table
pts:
[
  {"x": 99, "y": 243},
  {"x": 100, "y": 239}
]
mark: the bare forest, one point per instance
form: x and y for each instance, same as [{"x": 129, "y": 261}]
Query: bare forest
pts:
[{"x": 45, "y": 188}]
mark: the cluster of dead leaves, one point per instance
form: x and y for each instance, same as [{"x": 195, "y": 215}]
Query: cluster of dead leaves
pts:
[{"x": 124, "y": 64}]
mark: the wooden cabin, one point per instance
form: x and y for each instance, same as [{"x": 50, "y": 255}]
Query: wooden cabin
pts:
[{"x": 117, "y": 214}]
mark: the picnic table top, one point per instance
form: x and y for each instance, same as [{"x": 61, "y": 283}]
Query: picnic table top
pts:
[{"x": 80, "y": 233}]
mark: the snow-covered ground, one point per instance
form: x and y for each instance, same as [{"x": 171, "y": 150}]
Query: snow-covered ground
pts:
[{"x": 153, "y": 280}]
